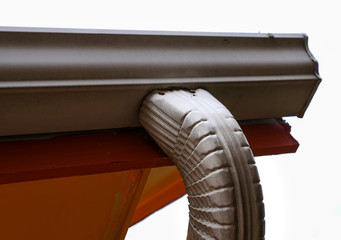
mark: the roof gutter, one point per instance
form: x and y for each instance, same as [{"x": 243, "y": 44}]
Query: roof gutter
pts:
[{"x": 57, "y": 80}]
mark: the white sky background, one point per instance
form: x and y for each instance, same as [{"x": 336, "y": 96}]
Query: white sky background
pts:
[{"x": 302, "y": 191}]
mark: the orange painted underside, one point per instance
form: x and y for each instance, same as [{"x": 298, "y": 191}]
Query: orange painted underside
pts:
[
  {"x": 98, "y": 206},
  {"x": 164, "y": 185},
  {"x": 55, "y": 187}
]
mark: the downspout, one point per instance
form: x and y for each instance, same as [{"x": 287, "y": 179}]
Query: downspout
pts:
[{"x": 214, "y": 159}]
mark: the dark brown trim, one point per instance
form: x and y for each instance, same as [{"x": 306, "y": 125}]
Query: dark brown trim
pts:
[{"x": 61, "y": 80}]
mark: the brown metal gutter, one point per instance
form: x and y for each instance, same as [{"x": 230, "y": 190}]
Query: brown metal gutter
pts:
[{"x": 57, "y": 80}]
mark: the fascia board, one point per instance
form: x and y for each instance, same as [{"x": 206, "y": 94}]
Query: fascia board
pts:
[
  {"x": 82, "y": 153},
  {"x": 57, "y": 80}
]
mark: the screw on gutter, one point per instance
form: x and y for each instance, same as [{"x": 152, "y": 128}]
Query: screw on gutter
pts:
[
  {"x": 162, "y": 92},
  {"x": 270, "y": 35},
  {"x": 192, "y": 91}
]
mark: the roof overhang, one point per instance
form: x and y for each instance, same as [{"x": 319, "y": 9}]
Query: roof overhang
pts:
[
  {"x": 67, "y": 80},
  {"x": 58, "y": 80}
]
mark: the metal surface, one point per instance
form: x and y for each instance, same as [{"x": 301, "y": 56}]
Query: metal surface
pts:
[
  {"x": 165, "y": 184},
  {"x": 54, "y": 80},
  {"x": 214, "y": 159}
]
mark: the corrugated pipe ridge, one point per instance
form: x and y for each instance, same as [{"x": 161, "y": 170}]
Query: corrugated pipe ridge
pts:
[{"x": 215, "y": 161}]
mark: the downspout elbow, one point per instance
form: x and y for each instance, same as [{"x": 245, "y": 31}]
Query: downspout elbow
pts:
[{"x": 214, "y": 159}]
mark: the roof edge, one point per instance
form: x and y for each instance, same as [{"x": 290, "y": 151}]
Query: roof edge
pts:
[{"x": 147, "y": 32}]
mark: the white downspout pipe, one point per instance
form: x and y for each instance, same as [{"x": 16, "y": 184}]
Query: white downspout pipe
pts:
[{"x": 214, "y": 159}]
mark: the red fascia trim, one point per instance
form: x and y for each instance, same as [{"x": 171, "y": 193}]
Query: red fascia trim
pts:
[
  {"x": 270, "y": 137},
  {"x": 78, "y": 154},
  {"x": 112, "y": 151}
]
